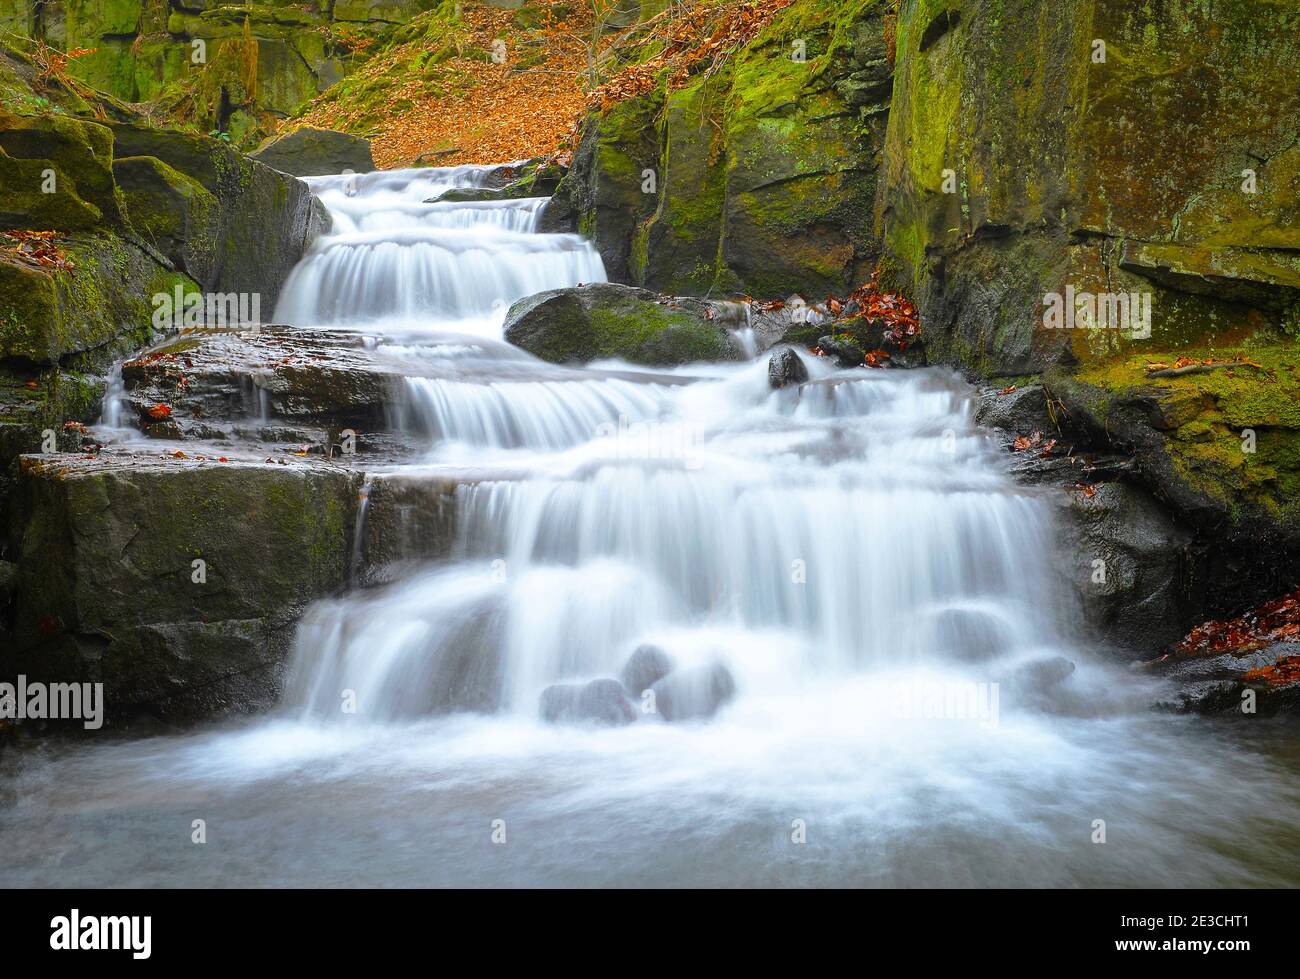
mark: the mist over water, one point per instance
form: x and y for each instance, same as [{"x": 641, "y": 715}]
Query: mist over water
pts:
[{"x": 888, "y": 601}]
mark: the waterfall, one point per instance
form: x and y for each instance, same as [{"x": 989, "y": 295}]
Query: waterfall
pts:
[
  {"x": 396, "y": 255},
  {"x": 861, "y": 614}
]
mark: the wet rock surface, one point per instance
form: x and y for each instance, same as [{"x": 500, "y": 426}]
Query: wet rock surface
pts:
[
  {"x": 601, "y": 702},
  {"x": 694, "y": 694}
]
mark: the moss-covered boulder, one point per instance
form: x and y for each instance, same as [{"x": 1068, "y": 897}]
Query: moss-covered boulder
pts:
[
  {"x": 176, "y": 583},
  {"x": 266, "y": 221},
  {"x": 57, "y": 173},
  {"x": 47, "y": 314},
  {"x": 608, "y": 320},
  {"x": 1219, "y": 444},
  {"x": 173, "y": 212},
  {"x": 311, "y": 152}
]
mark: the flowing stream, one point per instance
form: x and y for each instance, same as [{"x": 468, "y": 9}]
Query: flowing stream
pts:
[{"x": 911, "y": 700}]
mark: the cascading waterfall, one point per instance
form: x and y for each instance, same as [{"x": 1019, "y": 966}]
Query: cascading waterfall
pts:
[
  {"x": 850, "y": 551},
  {"x": 397, "y": 254}
]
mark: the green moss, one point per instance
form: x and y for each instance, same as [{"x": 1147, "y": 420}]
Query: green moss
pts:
[{"x": 1213, "y": 419}]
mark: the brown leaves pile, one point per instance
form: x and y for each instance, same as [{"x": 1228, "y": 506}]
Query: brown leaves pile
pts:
[
  {"x": 699, "y": 39},
  {"x": 38, "y": 249},
  {"x": 897, "y": 313},
  {"x": 466, "y": 108},
  {"x": 1285, "y": 671},
  {"x": 1276, "y": 621}
]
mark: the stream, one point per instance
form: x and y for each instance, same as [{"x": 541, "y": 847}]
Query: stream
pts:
[{"x": 909, "y": 698}]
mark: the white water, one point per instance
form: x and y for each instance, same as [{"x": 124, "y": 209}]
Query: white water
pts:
[
  {"x": 392, "y": 258},
  {"x": 851, "y": 550}
]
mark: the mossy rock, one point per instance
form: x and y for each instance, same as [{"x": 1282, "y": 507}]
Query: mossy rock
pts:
[
  {"x": 267, "y": 219},
  {"x": 1221, "y": 445},
  {"x": 1017, "y": 164},
  {"x": 587, "y": 323},
  {"x": 106, "y": 590},
  {"x": 311, "y": 152},
  {"x": 173, "y": 212},
  {"x": 46, "y": 315},
  {"x": 80, "y": 155}
]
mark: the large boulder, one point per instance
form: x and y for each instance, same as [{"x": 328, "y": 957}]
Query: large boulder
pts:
[
  {"x": 1129, "y": 563},
  {"x": 311, "y": 152},
  {"x": 175, "y": 582},
  {"x": 267, "y": 218},
  {"x": 586, "y": 323}
]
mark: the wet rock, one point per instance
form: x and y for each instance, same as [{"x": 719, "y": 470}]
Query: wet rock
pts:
[
  {"x": 1042, "y": 675},
  {"x": 694, "y": 694},
  {"x": 1021, "y": 412},
  {"x": 968, "y": 634},
  {"x": 312, "y": 152},
  {"x": 1215, "y": 685},
  {"x": 647, "y": 666},
  {"x": 585, "y": 323},
  {"x": 175, "y": 582},
  {"x": 786, "y": 367},
  {"x": 844, "y": 352},
  {"x": 600, "y": 701},
  {"x": 209, "y": 379},
  {"x": 1127, "y": 562}
]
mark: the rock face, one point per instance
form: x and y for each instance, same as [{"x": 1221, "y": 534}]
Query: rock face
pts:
[
  {"x": 175, "y": 583},
  {"x": 259, "y": 61},
  {"x": 758, "y": 178},
  {"x": 1130, "y": 567},
  {"x": 311, "y": 152},
  {"x": 1003, "y": 182},
  {"x": 608, "y": 320}
]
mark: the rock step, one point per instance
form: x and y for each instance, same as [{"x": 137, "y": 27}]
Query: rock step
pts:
[{"x": 177, "y": 582}]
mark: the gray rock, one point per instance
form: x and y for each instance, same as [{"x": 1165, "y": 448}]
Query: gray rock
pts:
[
  {"x": 694, "y": 694},
  {"x": 968, "y": 634},
  {"x": 106, "y": 589},
  {"x": 1022, "y": 411},
  {"x": 311, "y": 152},
  {"x": 1133, "y": 598},
  {"x": 645, "y": 667},
  {"x": 600, "y": 701},
  {"x": 786, "y": 367},
  {"x": 266, "y": 219},
  {"x": 1042, "y": 675}
]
